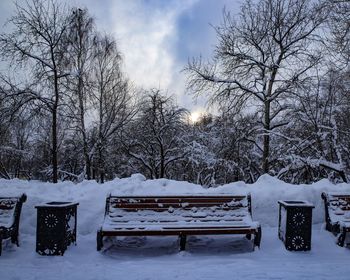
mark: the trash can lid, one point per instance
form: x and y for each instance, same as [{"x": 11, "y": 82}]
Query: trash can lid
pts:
[
  {"x": 57, "y": 204},
  {"x": 296, "y": 203}
]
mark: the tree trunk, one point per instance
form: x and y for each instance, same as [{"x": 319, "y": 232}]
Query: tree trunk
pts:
[
  {"x": 54, "y": 146},
  {"x": 81, "y": 94},
  {"x": 266, "y": 144},
  {"x": 83, "y": 130},
  {"x": 101, "y": 169},
  {"x": 54, "y": 151},
  {"x": 162, "y": 163}
]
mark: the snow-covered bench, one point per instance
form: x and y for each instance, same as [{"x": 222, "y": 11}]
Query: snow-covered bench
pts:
[
  {"x": 337, "y": 213},
  {"x": 10, "y": 211},
  {"x": 178, "y": 216}
]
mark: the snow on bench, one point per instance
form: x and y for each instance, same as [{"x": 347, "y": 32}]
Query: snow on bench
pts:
[
  {"x": 10, "y": 210},
  {"x": 179, "y": 216},
  {"x": 337, "y": 214}
]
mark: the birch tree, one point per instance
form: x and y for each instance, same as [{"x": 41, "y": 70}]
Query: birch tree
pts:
[
  {"x": 81, "y": 52},
  {"x": 111, "y": 96}
]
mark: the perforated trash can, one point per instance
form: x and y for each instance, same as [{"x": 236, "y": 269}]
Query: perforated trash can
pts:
[
  {"x": 295, "y": 223},
  {"x": 56, "y": 227}
]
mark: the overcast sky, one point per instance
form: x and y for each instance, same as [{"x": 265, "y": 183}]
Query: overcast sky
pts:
[{"x": 156, "y": 37}]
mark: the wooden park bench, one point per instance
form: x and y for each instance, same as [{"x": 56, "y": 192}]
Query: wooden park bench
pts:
[
  {"x": 337, "y": 213},
  {"x": 178, "y": 216},
  {"x": 10, "y": 211}
]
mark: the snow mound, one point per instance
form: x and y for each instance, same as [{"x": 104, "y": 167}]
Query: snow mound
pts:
[{"x": 91, "y": 196}]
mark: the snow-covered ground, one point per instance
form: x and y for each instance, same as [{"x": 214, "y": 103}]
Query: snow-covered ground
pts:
[{"x": 207, "y": 257}]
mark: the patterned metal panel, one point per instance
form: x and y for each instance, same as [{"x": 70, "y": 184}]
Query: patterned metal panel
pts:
[
  {"x": 295, "y": 223},
  {"x": 56, "y": 227}
]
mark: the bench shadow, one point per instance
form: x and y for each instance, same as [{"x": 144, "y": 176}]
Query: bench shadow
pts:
[{"x": 140, "y": 247}]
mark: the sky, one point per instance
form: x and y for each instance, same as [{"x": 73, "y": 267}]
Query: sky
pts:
[{"x": 156, "y": 37}]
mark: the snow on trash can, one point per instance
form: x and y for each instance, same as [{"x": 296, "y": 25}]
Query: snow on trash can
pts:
[
  {"x": 56, "y": 227},
  {"x": 295, "y": 223}
]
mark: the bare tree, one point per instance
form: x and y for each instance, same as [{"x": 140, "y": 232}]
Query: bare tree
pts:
[
  {"x": 339, "y": 35},
  {"x": 155, "y": 138},
  {"x": 38, "y": 42},
  {"x": 317, "y": 145},
  {"x": 260, "y": 57},
  {"x": 80, "y": 51},
  {"x": 112, "y": 99}
]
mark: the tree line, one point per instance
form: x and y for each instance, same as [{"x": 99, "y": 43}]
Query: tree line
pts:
[{"x": 279, "y": 79}]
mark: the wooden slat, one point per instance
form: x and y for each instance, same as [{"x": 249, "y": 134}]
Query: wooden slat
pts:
[
  {"x": 174, "y": 219},
  {"x": 178, "y": 231},
  {"x": 166, "y": 210},
  {"x": 182, "y": 197},
  {"x": 173, "y": 205},
  {"x": 178, "y": 213},
  {"x": 6, "y": 207},
  {"x": 210, "y": 202},
  {"x": 340, "y": 195},
  {"x": 141, "y": 216},
  {"x": 340, "y": 202}
]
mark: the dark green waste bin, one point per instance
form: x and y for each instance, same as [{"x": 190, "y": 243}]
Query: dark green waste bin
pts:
[
  {"x": 295, "y": 223},
  {"x": 56, "y": 227}
]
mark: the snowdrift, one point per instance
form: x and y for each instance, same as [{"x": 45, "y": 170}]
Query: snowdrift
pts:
[{"x": 91, "y": 196}]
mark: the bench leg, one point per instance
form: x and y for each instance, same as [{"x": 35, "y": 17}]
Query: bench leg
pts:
[
  {"x": 99, "y": 239},
  {"x": 341, "y": 237},
  {"x": 14, "y": 240},
  {"x": 182, "y": 242},
  {"x": 257, "y": 237}
]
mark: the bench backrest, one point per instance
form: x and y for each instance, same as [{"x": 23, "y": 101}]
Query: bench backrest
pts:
[
  {"x": 336, "y": 205},
  {"x": 170, "y": 204},
  {"x": 337, "y": 201},
  {"x": 10, "y": 210}
]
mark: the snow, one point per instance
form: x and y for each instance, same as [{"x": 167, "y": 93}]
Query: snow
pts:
[
  {"x": 207, "y": 257},
  {"x": 56, "y": 204},
  {"x": 170, "y": 218},
  {"x": 293, "y": 203},
  {"x": 337, "y": 213},
  {"x": 6, "y": 217}
]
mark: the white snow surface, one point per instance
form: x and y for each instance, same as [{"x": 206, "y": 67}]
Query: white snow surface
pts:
[{"x": 207, "y": 257}]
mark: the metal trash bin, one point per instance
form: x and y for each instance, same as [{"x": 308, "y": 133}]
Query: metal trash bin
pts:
[
  {"x": 56, "y": 227},
  {"x": 294, "y": 225}
]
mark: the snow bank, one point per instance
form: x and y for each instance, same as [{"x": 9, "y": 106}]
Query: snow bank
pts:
[{"x": 91, "y": 196}]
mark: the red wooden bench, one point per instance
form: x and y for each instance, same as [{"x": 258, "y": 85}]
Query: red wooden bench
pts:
[
  {"x": 178, "y": 216},
  {"x": 337, "y": 214},
  {"x": 10, "y": 211}
]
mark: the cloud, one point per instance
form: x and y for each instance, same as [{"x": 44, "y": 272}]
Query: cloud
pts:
[
  {"x": 156, "y": 37},
  {"x": 146, "y": 32}
]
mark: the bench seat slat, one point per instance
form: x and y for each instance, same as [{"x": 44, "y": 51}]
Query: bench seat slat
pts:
[
  {"x": 176, "y": 231},
  {"x": 178, "y": 223}
]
